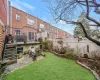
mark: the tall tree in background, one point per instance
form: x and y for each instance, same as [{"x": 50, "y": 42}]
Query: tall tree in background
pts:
[
  {"x": 69, "y": 10},
  {"x": 78, "y": 31},
  {"x": 95, "y": 34}
]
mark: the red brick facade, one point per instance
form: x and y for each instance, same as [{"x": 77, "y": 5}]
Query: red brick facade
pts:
[
  {"x": 24, "y": 27},
  {"x": 22, "y": 24},
  {"x": 3, "y": 22},
  {"x": 3, "y": 12}
]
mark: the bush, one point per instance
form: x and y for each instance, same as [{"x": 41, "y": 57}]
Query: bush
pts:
[
  {"x": 37, "y": 51},
  {"x": 56, "y": 49},
  {"x": 60, "y": 42},
  {"x": 95, "y": 55},
  {"x": 3, "y": 76},
  {"x": 70, "y": 54},
  {"x": 63, "y": 50},
  {"x": 40, "y": 40},
  {"x": 48, "y": 45}
]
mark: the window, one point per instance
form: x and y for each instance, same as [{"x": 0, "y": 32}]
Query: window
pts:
[
  {"x": 41, "y": 26},
  {"x": 30, "y": 35},
  {"x": 20, "y": 50},
  {"x": 17, "y": 17},
  {"x": 18, "y": 32},
  {"x": 30, "y": 22}
]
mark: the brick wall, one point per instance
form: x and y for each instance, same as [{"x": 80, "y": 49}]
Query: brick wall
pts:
[
  {"x": 3, "y": 20},
  {"x": 53, "y": 32},
  {"x": 22, "y": 23},
  {"x": 3, "y": 16}
]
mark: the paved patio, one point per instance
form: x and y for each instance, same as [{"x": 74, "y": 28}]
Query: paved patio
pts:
[{"x": 24, "y": 61}]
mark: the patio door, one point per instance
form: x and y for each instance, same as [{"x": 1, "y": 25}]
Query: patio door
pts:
[{"x": 30, "y": 36}]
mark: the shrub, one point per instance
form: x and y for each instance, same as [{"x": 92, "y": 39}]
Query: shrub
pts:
[
  {"x": 63, "y": 50},
  {"x": 70, "y": 54},
  {"x": 61, "y": 43},
  {"x": 48, "y": 45},
  {"x": 37, "y": 51},
  {"x": 95, "y": 55},
  {"x": 3, "y": 76},
  {"x": 40, "y": 40},
  {"x": 56, "y": 49}
]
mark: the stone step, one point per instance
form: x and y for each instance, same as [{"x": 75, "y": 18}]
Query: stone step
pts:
[
  {"x": 10, "y": 46},
  {"x": 10, "y": 61},
  {"x": 9, "y": 55},
  {"x": 10, "y": 58},
  {"x": 10, "y": 49}
]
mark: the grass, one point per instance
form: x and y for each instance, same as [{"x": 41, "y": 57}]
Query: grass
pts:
[{"x": 52, "y": 68}]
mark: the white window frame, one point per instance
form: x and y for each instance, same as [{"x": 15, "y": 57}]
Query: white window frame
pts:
[
  {"x": 30, "y": 21},
  {"x": 17, "y": 17},
  {"x": 41, "y": 25},
  {"x": 31, "y": 36}
]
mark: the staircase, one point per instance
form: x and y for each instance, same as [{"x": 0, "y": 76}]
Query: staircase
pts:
[{"x": 10, "y": 54}]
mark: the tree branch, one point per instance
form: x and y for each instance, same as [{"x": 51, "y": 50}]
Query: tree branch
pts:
[{"x": 87, "y": 15}]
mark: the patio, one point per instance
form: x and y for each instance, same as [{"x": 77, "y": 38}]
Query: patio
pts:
[{"x": 24, "y": 61}]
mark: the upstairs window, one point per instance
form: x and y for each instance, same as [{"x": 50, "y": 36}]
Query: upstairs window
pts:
[
  {"x": 41, "y": 26},
  {"x": 30, "y": 22},
  {"x": 17, "y": 17}
]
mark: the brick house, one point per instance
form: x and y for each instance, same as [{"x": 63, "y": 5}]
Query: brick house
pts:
[
  {"x": 23, "y": 24},
  {"x": 31, "y": 26},
  {"x": 3, "y": 22},
  {"x": 3, "y": 12}
]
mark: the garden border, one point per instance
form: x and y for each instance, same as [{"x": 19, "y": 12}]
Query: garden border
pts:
[{"x": 92, "y": 71}]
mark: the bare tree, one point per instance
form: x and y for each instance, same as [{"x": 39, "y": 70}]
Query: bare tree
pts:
[{"x": 69, "y": 10}]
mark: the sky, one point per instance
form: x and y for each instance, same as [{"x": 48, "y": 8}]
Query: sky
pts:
[{"x": 39, "y": 9}]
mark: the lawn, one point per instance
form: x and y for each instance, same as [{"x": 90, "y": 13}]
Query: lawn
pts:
[{"x": 52, "y": 68}]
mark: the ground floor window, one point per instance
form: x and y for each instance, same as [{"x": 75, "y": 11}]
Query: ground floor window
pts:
[{"x": 20, "y": 50}]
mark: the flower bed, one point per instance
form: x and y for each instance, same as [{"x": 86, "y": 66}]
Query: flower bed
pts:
[{"x": 93, "y": 64}]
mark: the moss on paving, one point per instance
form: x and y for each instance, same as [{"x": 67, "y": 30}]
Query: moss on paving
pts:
[{"x": 52, "y": 68}]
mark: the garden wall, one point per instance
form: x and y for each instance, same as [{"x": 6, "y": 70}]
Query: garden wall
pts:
[{"x": 82, "y": 47}]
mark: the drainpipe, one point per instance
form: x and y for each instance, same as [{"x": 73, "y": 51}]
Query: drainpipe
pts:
[
  {"x": 7, "y": 12},
  {"x": 9, "y": 17}
]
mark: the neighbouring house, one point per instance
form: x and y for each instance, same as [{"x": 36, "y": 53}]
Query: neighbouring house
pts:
[
  {"x": 26, "y": 30},
  {"x": 3, "y": 22}
]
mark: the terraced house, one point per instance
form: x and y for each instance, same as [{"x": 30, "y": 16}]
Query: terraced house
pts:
[
  {"x": 26, "y": 30},
  {"x": 33, "y": 27}
]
